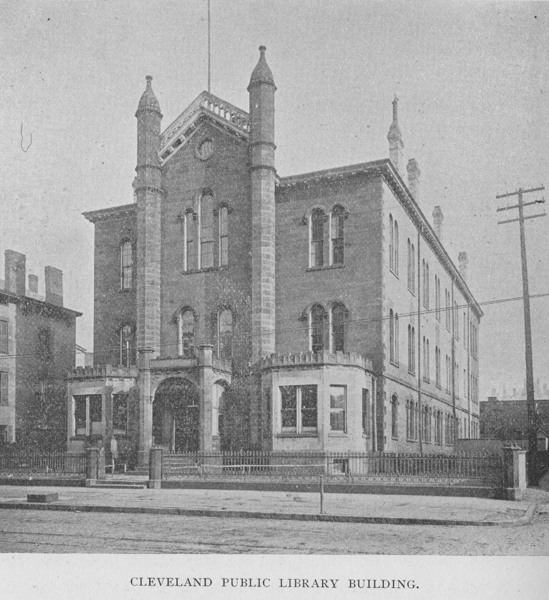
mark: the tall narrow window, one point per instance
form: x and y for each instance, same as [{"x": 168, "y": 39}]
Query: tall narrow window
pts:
[
  {"x": 127, "y": 351},
  {"x": 317, "y": 328},
  {"x": 394, "y": 417},
  {"x": 3, "y": 336},
  {"x": 411, "y": 350},
  {"x": 338, "y": 408},
  {"x": 456, "y": 320},
  {"x": 45, "y": 343},
  {"x": 409, "y": 248},
  {"x": 225, "y": 335},
  {"x": 391, "y": 243},
  {"x": 206, "y": 232},
  {"x": 337, "y": 235},
  {"x": 437, "y": 366},
  {"x": 120, "y": 412},
  {"x": 218, "y": 408},
  {"x": 191, "y": 254},
  {"x": 126, "y": 265},
  {"x": 427, "y": 284},
  {"x": 448, "y": 309},
  {"x": 185, "y": 323},
  {"x": 395, "y": 248},
  {"x": 413, "y": 273},
  {"x": 223, "y": 236},
  {"x": 317, "y": 238},
  {"x": 391, "y": 336},
  {"x": 4, "y": 399},
  {"x": 338, "y": 328},
  {"x": 366, "y": 413},
  {"x": 397, "y": 340}
]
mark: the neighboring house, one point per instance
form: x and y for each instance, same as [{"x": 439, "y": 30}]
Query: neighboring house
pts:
[
  {"x": 238, "y": 309},
  {"x": 508, "y": 420},
  {"x": 37, "y": 346}
]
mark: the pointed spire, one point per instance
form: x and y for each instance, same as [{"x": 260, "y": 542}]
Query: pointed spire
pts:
[
  {"x": 394, "y": 130},
  {"x": 395, "y": 140},
  {"x": 262, "y": 73},
  {"x": 148, "y": 100}
]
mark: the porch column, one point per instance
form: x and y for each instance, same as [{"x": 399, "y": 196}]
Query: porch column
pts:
[
  {"x": 145, "y": 407},
  {"x": 206, "y": 381}
]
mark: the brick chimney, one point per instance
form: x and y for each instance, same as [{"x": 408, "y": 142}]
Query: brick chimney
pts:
[
  {"x": 15, "y": 272},
  {"x": 54, "y": 285},
  {"x": 33, "y": 284},
  {"x": 463, "y": 261},
  {"x": 395, "y": 141},
  {"x": 438, "y": 217},
  {"x": 413, "y": 178}
]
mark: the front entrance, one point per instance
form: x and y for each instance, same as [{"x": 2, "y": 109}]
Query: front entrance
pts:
[{"x": 176, "y": 416}]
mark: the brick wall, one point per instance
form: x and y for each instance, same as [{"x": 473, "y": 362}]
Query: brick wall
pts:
[{"x": 113, "y": 307}]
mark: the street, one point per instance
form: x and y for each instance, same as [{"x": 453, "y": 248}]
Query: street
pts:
[{"x": 31, "y": 531}]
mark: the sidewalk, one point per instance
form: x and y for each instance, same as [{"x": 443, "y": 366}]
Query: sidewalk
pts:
[{"x": 358, "y": 508}]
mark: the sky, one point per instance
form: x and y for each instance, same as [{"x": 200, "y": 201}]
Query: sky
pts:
[{"x": 471, "y": 78}]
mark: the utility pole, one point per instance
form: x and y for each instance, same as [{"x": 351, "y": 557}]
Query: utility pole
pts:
[{"x": 533, "y": 467}]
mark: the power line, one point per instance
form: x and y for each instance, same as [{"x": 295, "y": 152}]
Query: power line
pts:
[
  {"x": 247, "y": 336},
  {"x": 533, "y": 468}
]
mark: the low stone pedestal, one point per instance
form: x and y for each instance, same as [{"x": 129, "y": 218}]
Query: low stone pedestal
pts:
[{"x": 51, "y": 497}]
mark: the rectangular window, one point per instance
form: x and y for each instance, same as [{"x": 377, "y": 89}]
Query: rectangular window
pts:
[
  {"x": 3, "y": 337},
  {"x": 45, "y": 344},
  {"x": 223, "y": 237},
  {"x": 120, "y": 412},
  {"x": 190, "y": 246},
  {"x": 366, "y": 416},
  {"x": 88, "y": 414},
  {"x": 4, "y": 400},
  {"x": 298, "y": 408},
  {"x": 448, "y": 310},
  {"x": 338, "y": 408},
  {"x": 80, "y": 415}
]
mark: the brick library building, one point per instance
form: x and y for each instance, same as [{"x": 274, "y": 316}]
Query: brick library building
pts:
[{"x": 238, "y": 309}]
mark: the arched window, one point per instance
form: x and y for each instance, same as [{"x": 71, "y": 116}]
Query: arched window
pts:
[
  {"x": 225, "y": 335},
  {"x": 223, "y": 236},
  {"x": 126, "y": 265},
  {"x": 127, "y": 346},
  {"x": 317, "y": 238},
  {"x": 338, "y": 328},
  {"x": 185, "y": 324},
  {"x": 316, "y": 327},
  {"x": 337, "y": 235},
  {"x": 206, "y": 231}
]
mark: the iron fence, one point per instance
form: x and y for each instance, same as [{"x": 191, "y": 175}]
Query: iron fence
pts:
[
  {"x": 380, "y": 467},
  {"x": 24, "y": 463}
]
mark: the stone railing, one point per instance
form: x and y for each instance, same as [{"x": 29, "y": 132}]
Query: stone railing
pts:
[
  {"x": 316, "y": 359},
  {"x": 101, "y": 372}
]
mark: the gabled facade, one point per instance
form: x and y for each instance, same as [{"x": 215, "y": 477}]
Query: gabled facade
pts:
[{"x": 239, "y": 309}]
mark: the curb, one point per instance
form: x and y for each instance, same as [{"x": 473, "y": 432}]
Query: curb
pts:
[{"x": 526, "y": 519}]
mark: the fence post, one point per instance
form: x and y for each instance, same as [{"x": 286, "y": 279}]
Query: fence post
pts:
[
  {"x": 92, "y": 464},
  {"x": 322, "y": 494},
  {"x": 155, "y": 469},
  {"x": 514, "y": 472}
]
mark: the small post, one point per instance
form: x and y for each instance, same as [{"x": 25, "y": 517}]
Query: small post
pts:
[
  {"x": 514, "y": 461},
  {"x": 92, "y": 460},
  {"x": 155, "y": 469},
  {"x": 321, "y": 494}
]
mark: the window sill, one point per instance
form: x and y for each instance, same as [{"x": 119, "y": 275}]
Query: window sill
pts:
[
  {"x": 412, "y": 292},
  {"x": 395, "y": 274},
  {"x": 126, "y": 290},
  {"x": 289, "y": 434},
  {"x": 340, "y": 434},
  {"x": 395, "y": 364},
  {"x": 325, "y": 268},
  {"x": 206, "y": 270}
]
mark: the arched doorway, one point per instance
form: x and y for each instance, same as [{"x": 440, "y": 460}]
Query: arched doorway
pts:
[{"x": 176, "y": 415}]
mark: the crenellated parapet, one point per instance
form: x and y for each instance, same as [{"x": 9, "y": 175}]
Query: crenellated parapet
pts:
[
  {"x": 315, "y": 359},
  {"x": 102, "y": 372}
]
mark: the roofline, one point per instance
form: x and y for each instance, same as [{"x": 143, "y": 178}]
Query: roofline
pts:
[
  {"x": 107, "y": 213},
  {"x": 17, "y": 299},
  {"x": 393, "y": 178}
]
